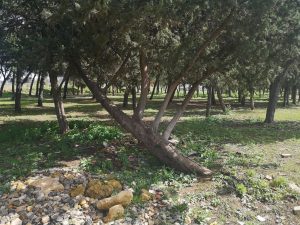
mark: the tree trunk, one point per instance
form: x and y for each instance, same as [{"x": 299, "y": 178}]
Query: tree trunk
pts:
[
  {"x": 125, "y": 99},
  {"x": 2, "y": 86},
  {"x": 58, "y": 104},
  {"x": 41, "y": 90},
  {"x": 153, "y": 142},
  {"x": 213, "y": 97},
  {"x": 221, "y": 100},
  {"x": 286, "y": 94},
  {"x": 18, "y": 92},
  {"x": 243, "y": 100},
  {"x": 155, "y": 87},
  {"x": 66, "y": 87},
  {"x": 31, "y": 85},
  {"x": 13, "y": 86},
  {"x": 252, "y": 106},
  {"x": 273, "y": 98},
  {"x": 294, "y": 94},
  {"x": 229, "y": 93},
  {"x": 38, "y": 85},
  {"x": 133, "y": 99},
  {"x": 209, "y": 100}
]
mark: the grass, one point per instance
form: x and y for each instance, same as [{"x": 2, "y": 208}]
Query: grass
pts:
[{"x": 238, "y": 146}]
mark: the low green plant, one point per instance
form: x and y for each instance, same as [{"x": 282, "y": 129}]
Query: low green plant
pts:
[
  {"x": 241, "y": 189},
  {"x": 279, "y": 182}
]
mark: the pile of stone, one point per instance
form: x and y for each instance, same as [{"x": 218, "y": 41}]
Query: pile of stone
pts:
[{"x": 64, "y": 197}]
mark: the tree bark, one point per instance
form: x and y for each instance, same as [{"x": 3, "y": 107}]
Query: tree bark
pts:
[
  {"x": 153, "y": 142},
  {"x": 41, "y": 90},
  {"x": 66, "y": 87},
  {"x": 133, "y": 98},
  {"x": 58, "y": 104},
  {"x": 155, "y": 87},
  {"x": 2, "y": 85},
  {"x": 286, "y": 94},
  {"x": 125, "y": 99},
  {"x": 294, "y": 94},
  {"x": 213, "y": 97},
  {"x": 209, "y": 99},
  {"x": 252, "y": 104},
  {"x": 18, "y": 92},
  {"x": 38, "y": 85},
  {"x": 221, "y": 100},
  {"x": 13, "y": 86},
  {"x": 31, "y": 85}
]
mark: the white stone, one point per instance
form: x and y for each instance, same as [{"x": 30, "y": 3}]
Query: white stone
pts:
[
  {"x": 261, "y": 219},
  {"x": 296, "y": 210},
  {"x": 16, "y": 221}
]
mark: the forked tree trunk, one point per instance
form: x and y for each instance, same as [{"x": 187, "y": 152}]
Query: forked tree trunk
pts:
[
  {"x": 153, "y": 142},
  {"x": 41, "y": 90},
  {"x": 221, "y": 100},
  {"x": 58, "y": 103},
  {"x": 31, "y": 85}
]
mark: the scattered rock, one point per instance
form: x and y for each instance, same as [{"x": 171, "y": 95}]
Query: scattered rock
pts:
[
  {"x": 45, "y": 219},
  {"x": 268, "y": 177},
  {"x": 116, "y": 185},
  {"x": 124, "y": 198},
  {"x": 114, "y": 213},
  {"x": 16, "y": 221},
  {"x": 46, "y": 184},
  {"x": 145, "y": 195},
  {"x": 261, "y": 219},
  {"x": 18, "y": 185},
  {"x": 96, "y": 189},
  {"x": 78, "y": 190},
  {"x": 294, "y": 187},
  {"x": 285, "y": 155},
  {"x": 296, "y": 210}
]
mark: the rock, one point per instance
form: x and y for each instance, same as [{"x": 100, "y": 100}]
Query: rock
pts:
[
  {"x": 46, "y": 184},
  {"x": 18, "y": 185},
  {"x": 124, "y": 198},
  {"x": 114, "y": 213},
  {"x": 296, "y": 210},
  {"x": 95, "y": 189},
  {"x": 268, "y": 177},
  {"x": 78, "y": 190},
  {"x": 285, "y": 155},
  {"x": 294, "y": 187},
  {"x": 145, "y": 195},
  {"x": 16, "y": 221},
  {"x": 116, "y": 185},
  {"x": 261, "y": 219},
  {"x": 45, "y": 219}
]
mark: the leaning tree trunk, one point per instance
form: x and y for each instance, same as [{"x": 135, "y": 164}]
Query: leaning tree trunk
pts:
[
  {"x": 221, "y": 100},
  {"x": 209, "y": 101},
  {"x": 273, "y": 99},
  {"x": 41, "y": 91},
  {"x": 31, "y": 85},
  {"x": 58, "y": 103},
  {"x": 155, "y": 87},
  {"x": 153, "y": 142},
  {"x": 2, "y": 86}
]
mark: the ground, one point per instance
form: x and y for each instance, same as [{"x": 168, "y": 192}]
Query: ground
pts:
[{"x": 251, "y": 183}]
